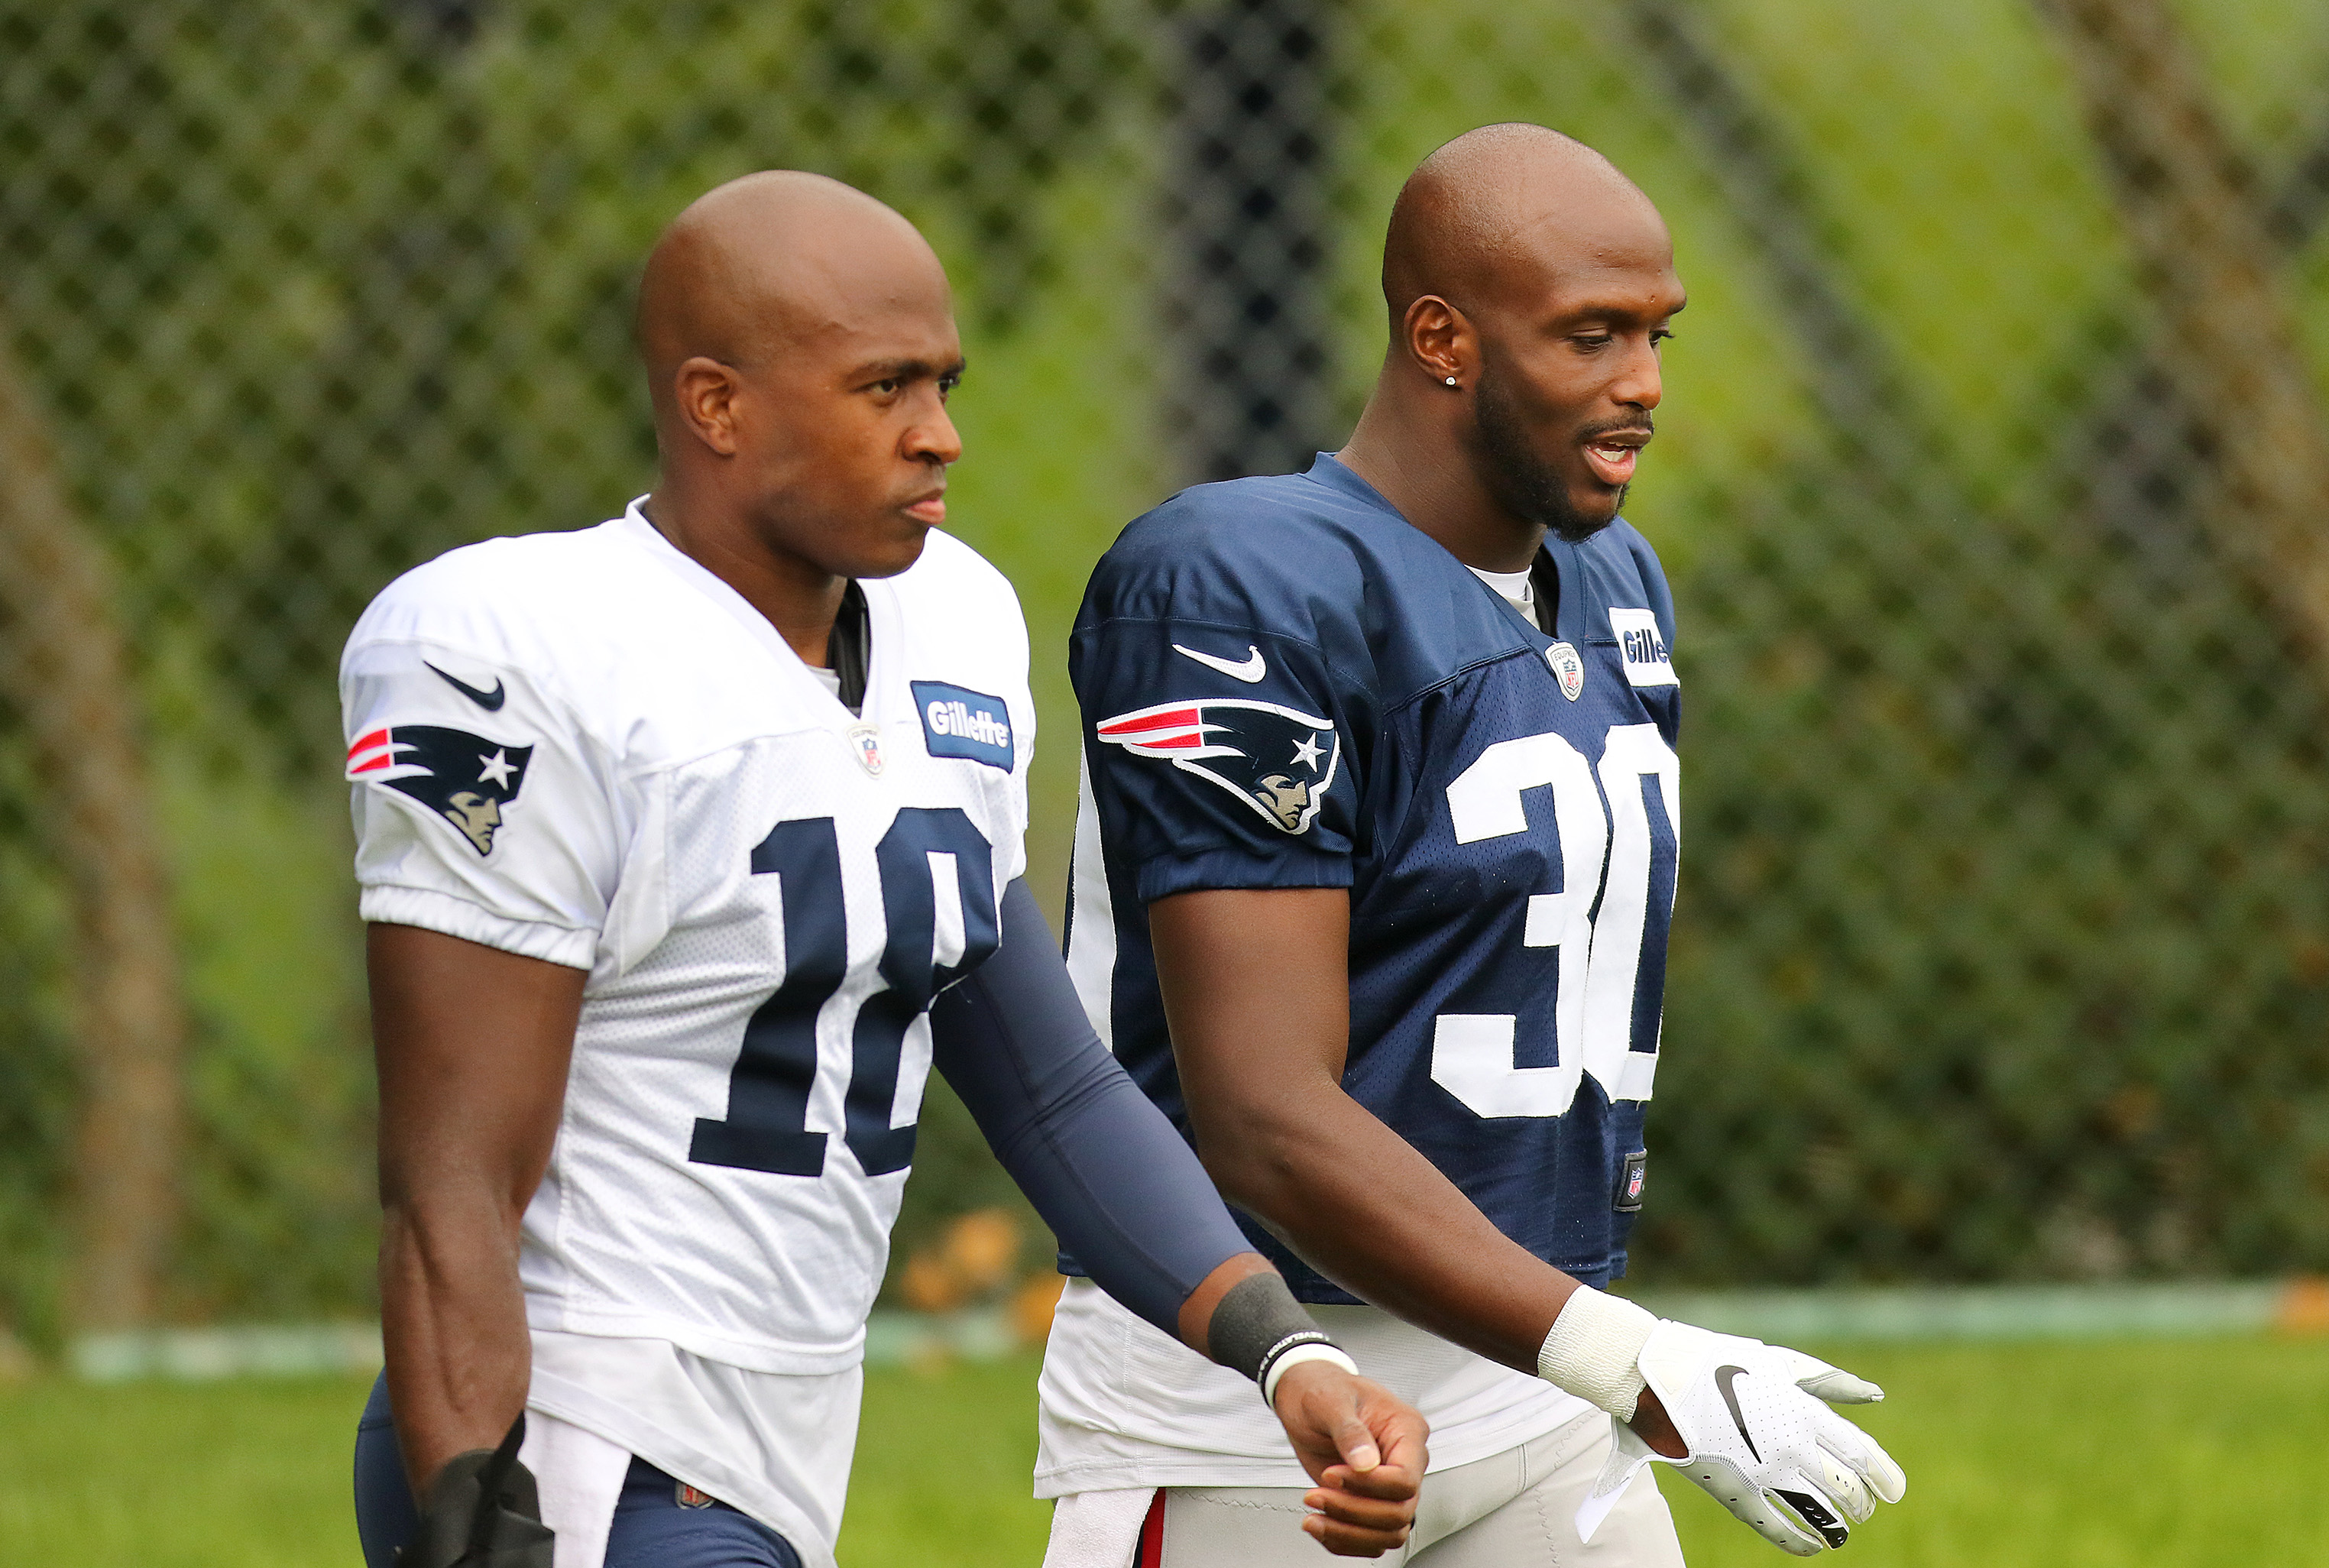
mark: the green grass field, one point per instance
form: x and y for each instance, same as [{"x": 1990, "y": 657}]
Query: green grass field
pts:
[{"x": 2189, "y": 1454}]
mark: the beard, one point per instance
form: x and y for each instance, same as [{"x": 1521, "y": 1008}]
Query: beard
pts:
[{"x": 1522, "y": 478}]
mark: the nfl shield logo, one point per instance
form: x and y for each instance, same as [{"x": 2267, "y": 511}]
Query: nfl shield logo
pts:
[
  {"x": 1631, "y": 1178},
  {"x": 1569, "y": 667},
  {"x": 865, "y": 740}
]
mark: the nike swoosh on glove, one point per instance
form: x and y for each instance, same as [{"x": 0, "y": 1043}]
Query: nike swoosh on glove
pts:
[{"x": 1762, "y": 1439}]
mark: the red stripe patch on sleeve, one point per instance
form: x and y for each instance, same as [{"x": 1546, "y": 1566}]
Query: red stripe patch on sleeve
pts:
[{"x": 1142, "y": 723}]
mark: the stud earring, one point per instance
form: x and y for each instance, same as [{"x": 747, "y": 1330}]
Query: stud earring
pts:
[{"x": 1451, "y": 380}]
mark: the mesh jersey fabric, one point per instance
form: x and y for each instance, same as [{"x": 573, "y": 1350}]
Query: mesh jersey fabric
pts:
[
  {"x": 690, "y": 797},
  {"x": 1510, "y": 835},
  {"x": 1284, "y": 684},
  {"x": 585, "y": 748}
]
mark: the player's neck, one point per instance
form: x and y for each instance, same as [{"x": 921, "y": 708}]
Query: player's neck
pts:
[
  {"x": 797, "y": 597},
  {"x": 1416, "y": 459}
]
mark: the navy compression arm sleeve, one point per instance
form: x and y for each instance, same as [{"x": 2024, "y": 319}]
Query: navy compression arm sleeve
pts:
[{"x": 1100, "y": 1163}]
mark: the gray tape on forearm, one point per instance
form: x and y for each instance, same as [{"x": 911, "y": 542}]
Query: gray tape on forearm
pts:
[{"x": 1256, "y": 1322}]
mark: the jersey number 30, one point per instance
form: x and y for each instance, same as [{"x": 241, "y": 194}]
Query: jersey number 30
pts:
[
  {"x": 938, "y": 890},
  {"x": 1597, "y": 1010}
]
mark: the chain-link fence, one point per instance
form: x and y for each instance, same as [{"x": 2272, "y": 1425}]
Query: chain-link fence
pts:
[{"x": 1992, "y": 477}]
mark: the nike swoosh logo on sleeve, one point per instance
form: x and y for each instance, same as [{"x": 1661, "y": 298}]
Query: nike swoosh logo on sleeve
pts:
[
  {"x": 1724, "y": 1376},
  {"x": 1250, "y": 671},
  {"x": 490, "y": 700}
]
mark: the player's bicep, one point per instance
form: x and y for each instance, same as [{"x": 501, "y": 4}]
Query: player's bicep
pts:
[
  {"x": 472, "y": 1044},
  {"x": 1256, "y": 983}
]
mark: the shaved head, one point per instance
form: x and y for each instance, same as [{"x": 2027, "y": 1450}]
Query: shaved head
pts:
[
  {"x": 1481, "y": 218},
  {"x": 1529, "y": 286},
  {"x": 768, "y": 263},
  {"x": 800, "y": 346}
]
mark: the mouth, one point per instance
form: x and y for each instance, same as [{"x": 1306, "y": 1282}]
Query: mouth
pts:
[
  {"x": 1612, "y": 455},
  {"x": 929, "y": 508}
]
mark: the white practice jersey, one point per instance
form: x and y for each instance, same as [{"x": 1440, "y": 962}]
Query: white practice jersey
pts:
[{"x": 586, "y": 748}]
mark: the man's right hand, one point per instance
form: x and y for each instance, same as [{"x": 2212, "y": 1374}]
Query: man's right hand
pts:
[
  {"x": 472, "y": 1044},
  {"x": 482, "y": 1511},
  {"x": 1365, "y": 1448},
  {"x": 1756, "y": 1430}
]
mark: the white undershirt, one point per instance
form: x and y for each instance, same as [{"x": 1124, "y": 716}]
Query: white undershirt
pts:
[
  {"x": 1122, "y": 1404},
  {"x": 1514, "y": 587},
  {"x": 829, "y": 679},
  {"x": 775, "y": 1445}
]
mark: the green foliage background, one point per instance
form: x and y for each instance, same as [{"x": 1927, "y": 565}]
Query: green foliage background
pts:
[{"x": 2004, "y": 935}]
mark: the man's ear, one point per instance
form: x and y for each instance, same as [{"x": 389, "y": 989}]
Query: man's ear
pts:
[
  {"x": 1440, "y": 340},
  {"x": 705, "y": 392}
]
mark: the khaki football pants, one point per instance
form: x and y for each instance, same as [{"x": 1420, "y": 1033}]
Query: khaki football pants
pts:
[{"x": 1515, "y": 1510}]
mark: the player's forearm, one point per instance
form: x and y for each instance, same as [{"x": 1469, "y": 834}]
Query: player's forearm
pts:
[
  {"x": 1103, "y": 1166},
  {"x": 1260, "y": 1032},
  {"x": 1431, "y": 1258},
  {"x": 1367, "y": 1211},
  {"x": 471, "y": 1044},
  {"x": 453, "y": 1325}
]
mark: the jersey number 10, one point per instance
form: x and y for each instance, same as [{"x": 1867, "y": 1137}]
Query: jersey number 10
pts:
[
  {"x": 1598, "y": 1008},
  {"x": 937, "y": 893}
]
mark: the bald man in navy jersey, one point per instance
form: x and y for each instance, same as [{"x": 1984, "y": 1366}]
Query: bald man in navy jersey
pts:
[{"x": 1385, "y": 753}]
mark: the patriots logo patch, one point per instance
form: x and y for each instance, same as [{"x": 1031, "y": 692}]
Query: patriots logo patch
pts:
[
  {"x": 465, "y": 778},
  {"x": 1279, "y": 762}
]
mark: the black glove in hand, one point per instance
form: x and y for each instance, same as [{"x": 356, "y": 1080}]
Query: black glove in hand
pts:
[{"x": 483, "y": 1512}]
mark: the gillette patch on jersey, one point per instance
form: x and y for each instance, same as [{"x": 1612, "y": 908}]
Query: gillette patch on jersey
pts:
[
  {"x": 1643, "y": 647},
  {"x": 959, "y": 723}
]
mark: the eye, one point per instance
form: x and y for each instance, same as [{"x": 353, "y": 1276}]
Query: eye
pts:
[
  {"x": 946, "y": 383},
  {"x": 1591, "y": 341},
  {"x": 889, "y": 386},
  {"x": 1661, "y": 335}
]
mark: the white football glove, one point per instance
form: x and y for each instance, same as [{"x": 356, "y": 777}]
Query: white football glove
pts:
[{"x": 1762, "y": 1439}]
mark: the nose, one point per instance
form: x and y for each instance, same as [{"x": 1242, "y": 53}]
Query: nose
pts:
[
  {"x": 933, "y": 438},
  {"x": 1640, "y": 383}
]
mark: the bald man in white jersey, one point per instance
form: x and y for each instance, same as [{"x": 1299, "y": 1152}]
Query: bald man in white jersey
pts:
[{"x": 689, "y": 844}]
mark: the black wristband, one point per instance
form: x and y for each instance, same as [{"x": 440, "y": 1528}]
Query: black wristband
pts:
[
  {"x": 1259, "y": 1321},
  {"x": 1291, "y": 1342}
]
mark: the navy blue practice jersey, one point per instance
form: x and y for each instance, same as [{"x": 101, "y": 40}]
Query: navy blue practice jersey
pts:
[{"x": 1286, "y": 684}]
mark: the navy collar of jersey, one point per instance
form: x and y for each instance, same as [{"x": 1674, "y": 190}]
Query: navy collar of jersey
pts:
[
  {"x": 1330, "y": 471},
  {"x": 1564, "y": 556}
]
